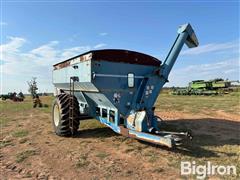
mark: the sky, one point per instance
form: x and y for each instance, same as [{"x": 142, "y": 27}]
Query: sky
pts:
[{"x": 37, "y": 34}]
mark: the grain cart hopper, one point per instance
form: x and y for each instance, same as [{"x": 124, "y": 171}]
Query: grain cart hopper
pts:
[{"x": 118, "y": 88}]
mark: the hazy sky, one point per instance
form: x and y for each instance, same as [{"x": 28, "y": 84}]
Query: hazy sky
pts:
[{"x": 36, "y": 35}]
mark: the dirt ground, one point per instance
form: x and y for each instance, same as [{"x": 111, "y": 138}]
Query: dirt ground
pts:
[{"x": 30, "y": 149}]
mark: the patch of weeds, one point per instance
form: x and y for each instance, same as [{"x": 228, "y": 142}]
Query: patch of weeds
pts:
[
  {"x": 9, "y": 107},
  {"x": 128, "y": 172},
  {"x": 158, "y": 170},
  {"x": 140, "y": 148},
  {"x": 104, "y": 133},
  {"x": 46, "y": 108},
  {"x": 28, "y": 164},
  {"x": 102, "y": 155},
  {"x": 91, "y": 124},
  {"x": 131, "y": 142},
  {"x": 4, "y": 121},
  {"x": 153, "y": 158},
  {"x": 27, "y": 175},
  {"x": 129, "y": 150},
  {"x": 19, "y": 125},
  {"x": 174, "y": 161},
  {"x": 195, "y": 104},
  {"x": 38, "y": 132},
  {"x": 5, "y": 143},
  {"x": 107, "y": 176},
  {"x": 149, "y": 153},
  {"x": 82, "y": 161},
  {"x": 116, "y": 145},
  {"x": 84, "y": 142},
  {"x": 20, "y": 133},
  {"x": 24, "y": 155},
  {"x": 102, "y": 139},
  {"x": 22, "y": 141},
  {"x": 120, "y": 139}
]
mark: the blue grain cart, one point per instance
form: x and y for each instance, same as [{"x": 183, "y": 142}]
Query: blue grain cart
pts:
[{"x": 118, "y": 88}]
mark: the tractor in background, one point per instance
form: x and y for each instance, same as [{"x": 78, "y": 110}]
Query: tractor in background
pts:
[{"x": 13, "y": 96}]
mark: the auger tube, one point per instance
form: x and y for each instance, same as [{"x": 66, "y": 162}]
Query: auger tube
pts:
[{"x": 185, "y": 35}]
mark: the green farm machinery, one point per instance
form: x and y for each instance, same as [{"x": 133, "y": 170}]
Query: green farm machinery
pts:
[{"x": 201, "y": 87}]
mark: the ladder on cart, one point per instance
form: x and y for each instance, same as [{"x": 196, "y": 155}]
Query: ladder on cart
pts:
[{"x": 73, "y": 79}]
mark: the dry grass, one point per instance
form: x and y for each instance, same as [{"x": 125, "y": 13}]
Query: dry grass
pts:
[
  {"x": 229, "y": 103},
  {"x": 24, "y": 155}
]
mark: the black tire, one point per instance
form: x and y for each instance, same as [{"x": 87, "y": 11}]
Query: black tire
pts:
[{"x": 60, "y": 116}]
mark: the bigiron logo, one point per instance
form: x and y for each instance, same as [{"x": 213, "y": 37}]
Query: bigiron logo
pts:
[{"x": 202, "y": 171}]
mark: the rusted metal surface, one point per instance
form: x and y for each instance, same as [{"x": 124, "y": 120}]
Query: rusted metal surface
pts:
[
  {"x": 62, "y": 65},
  {"x": 84, "y": 57},
  {"x": 112, "y": 55},
  {"x": 124, "y": 131}
]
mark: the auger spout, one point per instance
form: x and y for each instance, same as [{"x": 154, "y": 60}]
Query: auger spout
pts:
[{"x": 185, "y": 35}]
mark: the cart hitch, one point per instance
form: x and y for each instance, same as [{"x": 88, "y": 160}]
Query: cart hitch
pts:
[{"x": 177, "y": 137}]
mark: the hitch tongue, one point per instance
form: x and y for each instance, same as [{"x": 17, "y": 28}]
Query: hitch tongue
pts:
[{"x": 176, "y": 137}]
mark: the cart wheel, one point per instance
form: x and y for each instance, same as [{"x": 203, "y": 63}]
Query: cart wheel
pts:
[{"x": 60, "y": 115}]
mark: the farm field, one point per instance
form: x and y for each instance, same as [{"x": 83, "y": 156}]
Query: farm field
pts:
[{"x": 30, "y": 149}]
